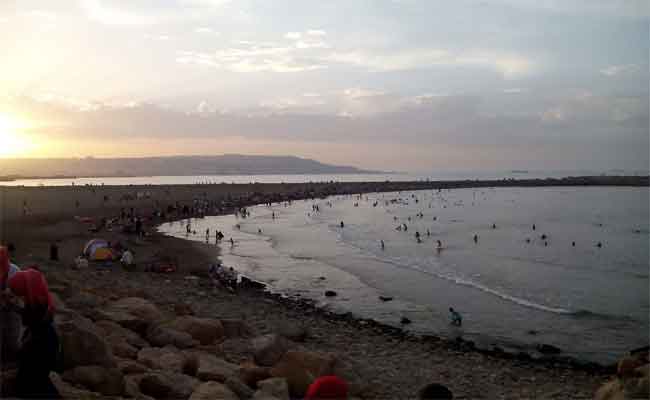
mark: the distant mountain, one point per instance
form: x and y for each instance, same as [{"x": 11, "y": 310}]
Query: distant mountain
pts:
[{"x": 228, "y": 164}]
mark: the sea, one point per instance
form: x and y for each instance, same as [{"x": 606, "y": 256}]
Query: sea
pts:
[{"x": 565, "y": 266}]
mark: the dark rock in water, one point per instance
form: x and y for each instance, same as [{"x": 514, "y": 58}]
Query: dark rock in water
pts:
[
  {"x": 435, "y": 391},
  {"x": 330, "y": 293},
  {"x": 405, "y": 321},
  {"x": 548, "y": 349},
  {"x": 640, "y": 350},
  {"x": 385, "y": 298},
  {"x": 246, "y": 283}
]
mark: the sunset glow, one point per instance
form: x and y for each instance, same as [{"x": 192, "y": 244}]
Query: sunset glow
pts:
[{"x": 13, "y": 143}]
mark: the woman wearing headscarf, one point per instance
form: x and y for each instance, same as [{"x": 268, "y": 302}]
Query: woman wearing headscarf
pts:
[
  {"x": 40, "y": 348},
  {"x": 329, "y": 387},
  {"x": 9, "y": 320}
]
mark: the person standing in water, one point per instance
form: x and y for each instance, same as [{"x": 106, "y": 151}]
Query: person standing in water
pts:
[
  {"x": 383, "y": 246},
  {"x": 456, "y": 319},
  {"x": 475, "y": 238}
]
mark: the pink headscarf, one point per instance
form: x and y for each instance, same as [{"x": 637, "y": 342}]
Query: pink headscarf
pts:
[
  {"x": 32, "y": 287},
  {"x": 327, "y": 387}
]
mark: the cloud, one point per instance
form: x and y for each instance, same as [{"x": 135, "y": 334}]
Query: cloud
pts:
[
  {"x": 614, "y": 70},
  {"x": 293, "y": 35},
  {"x": 206, "y": 30},
  {"x": 157, "y": 37},
  {"x": 111, "y": 15},
  {"x": 567, "y": 130},
  {"x": 514, "y": 90},
  {"x": 316, "y": 32},
  {"x": 511, "y": 66},
  {"x": 250, "y": 56}
]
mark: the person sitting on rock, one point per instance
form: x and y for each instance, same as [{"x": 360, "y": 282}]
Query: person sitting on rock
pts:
[
  {"x": 39, "y": 353},
  {"x": 329, "y": 387}
]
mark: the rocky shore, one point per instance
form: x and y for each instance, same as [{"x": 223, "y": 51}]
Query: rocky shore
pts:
[{"x": 136, "y": 334}]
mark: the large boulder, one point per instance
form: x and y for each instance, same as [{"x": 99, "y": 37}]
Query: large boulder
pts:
[
  {"x": 82, "y": 346},
  {"x": 269, "y": 349},
  {"x": 295, "y": 332},
  {"x": 213, "y": 368},
  {"x": 166, "y": 358},
  {"x": 159, "y": 335},
  {"x": 121, "y": 348},
  {"x": 250, "y": 374},
  {"x": 242, "y": 390},
  {"x": 236, "y": 328},
  {"x": 107, "y": 381},
  {"x": 112, "y": 329},
  {"x": 168, "y": 385},
  {"x": 635, "y": 385},
  {"x": 68, "y": 391},
  {"x": 274, "y": 387},
  {"x": 205, "y": 330},
  {"x": 300, "y": 368},
  {"x": 85, "y": 303},
  {"x": 133, "y": 313},
  {"x": 627, "y": 366},
  {"x": 212, "y": 391},
  {"x": 237, "y": 349},
  {"x": 129, "y": 367}
]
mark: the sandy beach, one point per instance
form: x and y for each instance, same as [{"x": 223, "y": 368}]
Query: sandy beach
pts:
[{"x": 389, "y": 363}]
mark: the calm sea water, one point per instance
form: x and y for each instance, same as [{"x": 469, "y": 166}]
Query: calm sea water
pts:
[
  {"x": 592, "y": 302},
  {"x": 202, "y": 179}
]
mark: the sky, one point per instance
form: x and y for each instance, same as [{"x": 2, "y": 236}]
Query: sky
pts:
[{"x": 409, "y": 85}]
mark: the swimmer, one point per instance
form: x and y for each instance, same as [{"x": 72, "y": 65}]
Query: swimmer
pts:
[
  {"x": 418, "y": 239},
  {"x": 259, "y": 230},
  {"x": 475, "y": 238},
  {"x": 232, "y": 242},
  {"x": 428, "y": 232},
  {"x": 417, "y": 235},
  {"x": 381, "y": 243},
  {"x": 494, "y": 226},
  {"x": 342, "y": 224},
  {"x": 545, "y": 244},
  {"x": 527, "y": 240},
  {"x": 599, "y": 245},
  {"x": 534, "y": 227},
  {"x": 438, "y": 244},
  {"x": 573, "y": 244},
  {"x": 455, "y": 317},
  {"x": 543, "y": 237}
]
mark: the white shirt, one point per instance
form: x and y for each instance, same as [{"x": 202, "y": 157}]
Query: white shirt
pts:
[{"x": 127, "y": 258}]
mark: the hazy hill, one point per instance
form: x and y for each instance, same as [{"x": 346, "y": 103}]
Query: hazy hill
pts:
[{"x": 229, "y": 164}]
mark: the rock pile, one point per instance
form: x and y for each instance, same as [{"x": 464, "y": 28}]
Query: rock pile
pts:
[
  {"x": 632, "y": 379},
  {"x": 129, "y": 348}
]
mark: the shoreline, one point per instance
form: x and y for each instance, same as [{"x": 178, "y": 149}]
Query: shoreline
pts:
[
  {"x": 384, "y": 350},
  {"x": 493, "y": 348}
]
